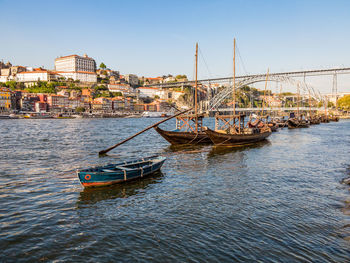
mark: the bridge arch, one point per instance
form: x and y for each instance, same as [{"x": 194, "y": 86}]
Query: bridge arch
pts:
[{"x": 218, "y": 99}]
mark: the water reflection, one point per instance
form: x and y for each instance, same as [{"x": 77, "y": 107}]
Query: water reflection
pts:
[
  {"x": 91, "y": 196},
  {"x": 186, "y": 148},
  {"x": 222, "y": 150}
]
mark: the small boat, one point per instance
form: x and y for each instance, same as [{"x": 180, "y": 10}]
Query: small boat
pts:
[{"x": 120, "y": 172}]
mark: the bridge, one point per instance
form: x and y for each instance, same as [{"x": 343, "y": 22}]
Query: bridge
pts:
[
  {"x": 214, "y": 102},
  {"x": 269, "y": 109}
]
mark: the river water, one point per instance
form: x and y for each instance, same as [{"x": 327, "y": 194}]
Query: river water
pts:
[{"x": 281, "y": 201}]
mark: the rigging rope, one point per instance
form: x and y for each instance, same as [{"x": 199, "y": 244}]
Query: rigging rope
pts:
[
  {"x": 241, "y": 60},
  {"x": 205, "y": 63}
]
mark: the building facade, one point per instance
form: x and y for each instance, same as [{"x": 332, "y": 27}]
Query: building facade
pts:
[
  {"x": 74, "y": 63},
  {"x": 132, "y": 79},
  {"x": 82, "y": 68},
  {"x": 5, "y": 99}
]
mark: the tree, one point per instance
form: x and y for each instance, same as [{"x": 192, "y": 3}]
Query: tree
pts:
[
  {"x": 80, "y": 109},
  {"x": 344, "y": 103},
  {"x": 102, "y": 65}
]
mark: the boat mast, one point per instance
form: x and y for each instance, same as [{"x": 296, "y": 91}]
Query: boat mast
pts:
[
  {"x": 298, "y": 98},
  {"x": 309, "y": 104},
  {"x": 263, "y": 102},
  {"x": 234, "y": 77},
  {"x": 195, "y": 92}
]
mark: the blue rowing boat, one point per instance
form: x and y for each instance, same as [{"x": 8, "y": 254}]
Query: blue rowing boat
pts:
[{"x": 120, "y": 172}]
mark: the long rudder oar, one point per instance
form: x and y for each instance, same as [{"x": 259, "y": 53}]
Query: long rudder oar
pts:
[{"x": 150, "y": 127}]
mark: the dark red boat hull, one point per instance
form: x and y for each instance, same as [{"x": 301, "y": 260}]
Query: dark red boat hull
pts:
[
  {"x": 178, "y": 137},
  {"x": 236, "y": 139}
]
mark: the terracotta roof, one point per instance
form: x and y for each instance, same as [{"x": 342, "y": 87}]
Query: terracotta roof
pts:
[
  {"x": 37, "y": 71},
  {"x": 71, "y": 56}
]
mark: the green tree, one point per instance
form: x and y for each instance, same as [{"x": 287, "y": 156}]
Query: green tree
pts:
[
  {"x": 344, "y": 103},
  {"x": 102, "y": 65},
  {"x": 80, "y": 109}
]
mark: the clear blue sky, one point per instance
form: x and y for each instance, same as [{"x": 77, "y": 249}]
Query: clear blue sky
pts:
[{"x": 151, "y": 38}]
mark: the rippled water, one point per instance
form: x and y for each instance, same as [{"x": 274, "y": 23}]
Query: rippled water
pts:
[{"x": 281, "y": 201}]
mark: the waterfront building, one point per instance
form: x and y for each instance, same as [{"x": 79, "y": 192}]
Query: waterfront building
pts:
[
  {"x": 5, "y": 99},
  {"x": 40, "y": 106},
  {"x": 106, "y": 104},
  {"x": 28, "y": 100},
  {"x": 132, "y": 79},
  {"x": 57, "y": 102}
]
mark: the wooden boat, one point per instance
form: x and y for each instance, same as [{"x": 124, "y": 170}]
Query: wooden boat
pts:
[
  {"x": 315, "y": 120},
  {"x": 249, "y": 136},
  {"x": 179, "y": 137},
  {"x": 334, "y": 118},
  {"x": 120, "y": 172},
  {"x": 189, "y": 128},
  {"x": 230, "y": 130},
  {"x": 294, "y": 123}
]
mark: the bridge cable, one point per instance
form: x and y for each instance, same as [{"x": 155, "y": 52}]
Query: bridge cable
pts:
[
  {"x": 241, "y": 60},
  {"x": 205, "y": 63}
]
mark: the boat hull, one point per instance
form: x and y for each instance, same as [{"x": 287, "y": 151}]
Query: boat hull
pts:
[
  {"x": 178, "y": 137},
  {"x": 126, "y": 171},
  {"x": 297, "y": 124},
  {"x": 236, "y": 139}
]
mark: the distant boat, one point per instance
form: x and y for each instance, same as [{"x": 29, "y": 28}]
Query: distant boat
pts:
[
  {"x": 294, "y": 123},
  {"x": 120, "y": 172},
  {"x": 154, "y": 114}
]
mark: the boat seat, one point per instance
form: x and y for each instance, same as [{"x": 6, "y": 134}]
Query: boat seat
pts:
[
  {"x": 108, "y": 170},
  {"x": 124, "y": 168}
]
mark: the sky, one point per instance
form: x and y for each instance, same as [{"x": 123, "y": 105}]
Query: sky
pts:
[{"x": 154, "y": 38}]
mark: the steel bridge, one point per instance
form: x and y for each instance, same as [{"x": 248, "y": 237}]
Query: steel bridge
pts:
[
  {"x": 269, "y": 109},
  {"x": 305, "y": 73},
  {"x": 214, "y": 103}
]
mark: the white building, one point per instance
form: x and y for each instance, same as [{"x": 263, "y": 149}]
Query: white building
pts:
[
  {"x": 125, "y": 89},
  {"x": 38, "y": 75},
  {"x": 82, "y": 76},
  {"x": 145, "y": 92},
  {"x": 74, "y": 63},
  {"x": 132, "y": 79},
  {"x": 77, "y": 68}
]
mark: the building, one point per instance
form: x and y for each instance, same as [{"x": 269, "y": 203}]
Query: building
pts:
[
  {"x": 132, "y": 79},
  {"x": 82, "y": 76},
  {"x": 57, "y": 102},
  {"x": 150, "y": 92},
  {"x": 125, "y": 89},
  {"x": 77, "y": 68},
  {"x": 332, "y": 97},
  {"x": 37, "y": 75},
  {"x": 152, "y": 80},
  {"x": 75, "y": 63},
  {"x": 5, "y": 99},
  {"x": 103, "y": 104}
]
